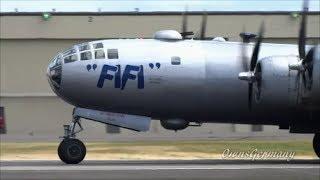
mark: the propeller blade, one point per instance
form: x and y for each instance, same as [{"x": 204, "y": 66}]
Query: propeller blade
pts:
[
  {"x": 245, "y": 64},
  {"x": 184, "y": 24},
  {"x": 297, "y": 81},
  {"x": 256, "y": 50},
  {"x": 253, "y": 62},
  {"x": 203, "y": 26},
  {"x": 250, "y": 96},
  {"x": 244, "y": 58},
  {"x": 302, "y": 31},
  {"x": 307, "y": 75},
  {"x": 304, "y": 80}
]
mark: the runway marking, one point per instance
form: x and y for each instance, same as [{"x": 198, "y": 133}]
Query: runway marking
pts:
[{"x": 152, "y": 167}]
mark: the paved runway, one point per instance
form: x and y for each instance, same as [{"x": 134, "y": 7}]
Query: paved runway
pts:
[{"x": 160, "y": 170}]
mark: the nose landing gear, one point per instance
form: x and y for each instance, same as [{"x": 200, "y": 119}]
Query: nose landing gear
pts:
[
  {"x": 316, "y": 144},
  {"x": 72, "y": 150}
]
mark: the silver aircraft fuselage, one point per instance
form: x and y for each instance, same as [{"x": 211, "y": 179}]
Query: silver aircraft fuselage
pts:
[{"x": 190, "y": 79}]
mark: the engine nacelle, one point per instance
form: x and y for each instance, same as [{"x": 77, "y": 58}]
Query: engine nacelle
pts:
[
  {"x": 315, "y": 90},
  {"x": 276, "y": 86},
  {"x": 174, "y": 124}
]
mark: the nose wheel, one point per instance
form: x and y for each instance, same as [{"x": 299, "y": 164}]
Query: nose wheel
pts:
[
  {"x": 72, "y": 150},
  {"x": 316, "y": 144}
]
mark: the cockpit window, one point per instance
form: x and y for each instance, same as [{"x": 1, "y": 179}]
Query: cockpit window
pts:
[
  {"x": 56, "y": 61},
  {"x": 113, "y": 54},
  {"x": 59, "y": 61},
  {"x": 68, "y": 52},
  {"x": 99, "y": 54},
  {"x": 99, "y": 51},
  {"x": 53, "y": 62},
  {"x": 84, "y": 47},
  {"x": 85, "y": 55},
  {"x": 97, "y": 45},
  {"x": 55, "y": 71},
  {"x": 70, "y": 58},
  {"x": 175, "y": 60}
]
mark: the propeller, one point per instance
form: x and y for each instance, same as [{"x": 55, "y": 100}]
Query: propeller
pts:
[
  {"x": 184, "y": 32},
  {"x": 253, "y": 63},
  {"x": 245, "y": 40},
  {"x": 305, "y": 65},
  {"x": 250, "y": 75}
]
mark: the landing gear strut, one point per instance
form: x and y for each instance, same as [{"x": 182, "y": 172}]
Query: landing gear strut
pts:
[
  {"x": 72, "y": 150},
  {"x": 316, "y": 144}
]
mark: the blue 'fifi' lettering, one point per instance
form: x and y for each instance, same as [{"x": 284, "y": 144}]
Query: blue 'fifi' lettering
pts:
[
  {"x": 104, "y": 74},
  {"x": 127, "y": 74},
  {"x": 117, "y": 82}
]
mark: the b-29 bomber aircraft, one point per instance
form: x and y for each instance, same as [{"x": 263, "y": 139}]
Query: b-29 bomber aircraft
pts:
[{"x": 184, "y": 81}]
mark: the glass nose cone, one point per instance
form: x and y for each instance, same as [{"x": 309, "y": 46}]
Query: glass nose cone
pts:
[{"x": 54, "y": 73}]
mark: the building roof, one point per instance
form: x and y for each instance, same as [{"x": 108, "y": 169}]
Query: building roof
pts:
[
  {"x": 152, "y": 5},
  {"x": 161, "y": 13}
]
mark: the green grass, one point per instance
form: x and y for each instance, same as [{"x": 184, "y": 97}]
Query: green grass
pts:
[{"x": 302, "y": 148}]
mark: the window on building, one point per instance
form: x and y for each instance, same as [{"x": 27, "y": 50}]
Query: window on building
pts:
[
  {"x": 112, "y": 129},
  {"x": 256, "y": 128},
  {"x": 85, "y": 55},
  {"x": 97, "y": 45},
  {"x": 3, "y": 129},
  {"x": 99, "y": 54},
  {"x": 70, "y": 59},
  {"x": 175, "y": 60},
  {"x": 113, "y": 54}
]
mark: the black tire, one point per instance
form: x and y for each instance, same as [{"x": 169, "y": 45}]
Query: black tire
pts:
[
  {"x": 316, "y": 144},
  {"x": 71, "y": 151}
]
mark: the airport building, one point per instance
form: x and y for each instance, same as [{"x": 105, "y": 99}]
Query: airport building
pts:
[{"x": 28, "y": 41}]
